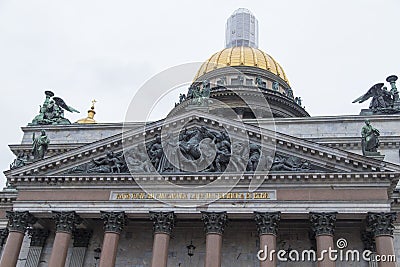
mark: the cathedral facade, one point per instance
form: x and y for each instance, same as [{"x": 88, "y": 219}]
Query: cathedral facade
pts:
[{"x": 237, "y": 174}]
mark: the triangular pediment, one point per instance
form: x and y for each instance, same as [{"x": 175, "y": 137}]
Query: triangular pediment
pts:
[{"x": 289, "y": 154}]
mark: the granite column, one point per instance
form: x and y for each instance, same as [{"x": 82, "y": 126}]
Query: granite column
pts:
[
  {"x": 323, "y": 227},
  {"x": 163, "y": 223},
  {"x": 214, "y": 226},
  {"x": 381, "y": 226},
  {"x": 114, "y": 223},
  {"x": 267, "y": 227},
  {"x": 66, "y": 222},
  {"x": 18, "y": 221}
]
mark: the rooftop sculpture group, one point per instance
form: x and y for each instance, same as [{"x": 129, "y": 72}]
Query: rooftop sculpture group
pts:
[
  {"x": 383, "y": 101},
  {"x": 197, "y": 95},
  {"x": 52, "y": 111}
]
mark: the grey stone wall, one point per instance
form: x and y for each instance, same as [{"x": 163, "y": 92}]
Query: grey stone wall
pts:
[{"x": 73, "y": 134}]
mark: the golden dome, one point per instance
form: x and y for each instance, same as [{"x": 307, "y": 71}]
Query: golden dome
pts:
[{"x": 242, "y": 56}]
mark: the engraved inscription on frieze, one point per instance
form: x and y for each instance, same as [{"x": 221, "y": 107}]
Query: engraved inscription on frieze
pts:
[{"x": 245, "y": 196}]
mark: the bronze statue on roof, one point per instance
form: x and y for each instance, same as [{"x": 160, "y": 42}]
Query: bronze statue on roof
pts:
[
  {"x": 383, "y": 101},
  {"x": 52, "y": 111}
]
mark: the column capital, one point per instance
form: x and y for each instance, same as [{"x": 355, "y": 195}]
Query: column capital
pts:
[
  {"x": 323, "y": 223},
  {"x": 367, "y": 237},
  {"x": 38, "y": 237},
  {"x": 66, "y": 221},
  {"x": 114, "y": 222},
  {"x": 3, "y": 236},
  {"x": 267, "y": 222},
  {"x": 18, "y": 221},
  {"x": 381, "y": 223},
  {"x": 214, "y": 222},
  {"x": 82, "y": 237},
  {"x": 163, "y": 222}
]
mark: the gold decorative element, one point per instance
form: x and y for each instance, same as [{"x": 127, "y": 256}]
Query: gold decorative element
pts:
[
  {"x": 242, "y": 56},
  {"x": 90, "y": 117}
]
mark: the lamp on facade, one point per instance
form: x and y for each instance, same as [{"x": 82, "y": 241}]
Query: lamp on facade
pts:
[{"x": 191, "y": 249}]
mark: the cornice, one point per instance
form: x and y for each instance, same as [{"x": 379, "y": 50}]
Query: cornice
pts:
[
  {"x": 329, "y": 157},
  {"x": 201, "y": 178}
]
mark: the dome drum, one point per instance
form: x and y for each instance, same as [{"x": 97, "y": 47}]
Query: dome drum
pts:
[
  {"x": 227, "y": 82},
  {"x": 247, "y": 77},
  {"x": 280, "y": 106}
]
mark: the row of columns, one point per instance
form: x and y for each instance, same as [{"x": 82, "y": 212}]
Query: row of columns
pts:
[{"x": 379, "y": 236}]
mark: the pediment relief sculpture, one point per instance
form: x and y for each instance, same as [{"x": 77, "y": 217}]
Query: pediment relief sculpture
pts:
[{"x": 198, "y": 149}]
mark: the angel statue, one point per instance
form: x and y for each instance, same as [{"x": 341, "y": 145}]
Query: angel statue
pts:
[
  {"x": 52, "y": 111},
  {"x": 381, "y": 98}
]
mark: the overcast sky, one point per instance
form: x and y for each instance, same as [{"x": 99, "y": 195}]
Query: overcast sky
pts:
[{"x": 332, "y": 51}]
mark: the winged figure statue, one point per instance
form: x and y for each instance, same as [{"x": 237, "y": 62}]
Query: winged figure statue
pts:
[
  {"x": 52, "y": 111},
  {"x": 381, "y": 98}
]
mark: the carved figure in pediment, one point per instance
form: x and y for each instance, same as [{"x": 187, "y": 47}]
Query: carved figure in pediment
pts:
[
  {"x": 282, "y": 163},
  {"x": 207, "y": 147},
  {"x": 21, "y": 160},
  {"x": 254, "y": 157},
  {"x": 155, "y": 152},
  {"x": 111, "y": 163},
  {"x": 239, "y": 157},
  {"x": 223, "y": 151},
  {"x": 191, "y": 139},
  {"x": 170, "y": 161},
  {"x": 137, "y": 160}
]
